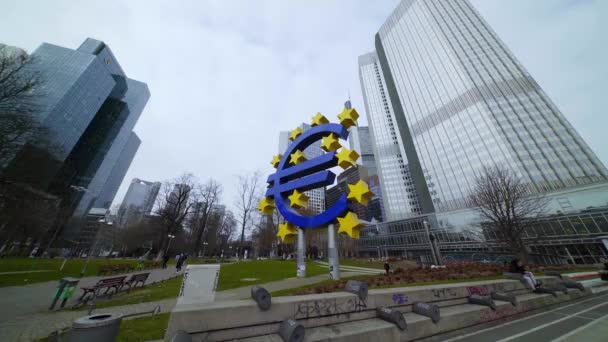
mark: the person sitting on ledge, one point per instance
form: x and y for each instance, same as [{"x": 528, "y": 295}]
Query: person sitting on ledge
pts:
[{"x": 517, "y": 266}]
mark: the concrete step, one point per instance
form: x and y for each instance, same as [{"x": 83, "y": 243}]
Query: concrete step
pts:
[{"x": 452, "y": 318}]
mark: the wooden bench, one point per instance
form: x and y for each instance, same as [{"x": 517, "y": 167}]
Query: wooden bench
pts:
[
  {"x": 108, "y": 284},
  {"x": 136, "y": 279}
]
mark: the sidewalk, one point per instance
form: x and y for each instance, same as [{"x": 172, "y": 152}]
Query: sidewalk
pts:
[{"x": 17, "y": 301}]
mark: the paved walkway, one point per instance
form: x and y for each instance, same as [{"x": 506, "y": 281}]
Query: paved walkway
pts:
[
  {"x": 18, "y": 301},
  {"x": 22, "y": 272}
]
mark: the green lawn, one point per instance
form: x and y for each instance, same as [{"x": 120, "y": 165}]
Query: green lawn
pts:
[
  {"x": 263, "y": 271},
  {"x": 72, "y": 268},
  {"x": 143, "y": 328}
]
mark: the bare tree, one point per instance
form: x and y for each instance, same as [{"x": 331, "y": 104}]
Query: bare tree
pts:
[
  {"x": 174, "y": 204},
  {"x": 507, "y": 208},
  {"x": 208, "y": 195},
  {"x": 248, "y": 188}
]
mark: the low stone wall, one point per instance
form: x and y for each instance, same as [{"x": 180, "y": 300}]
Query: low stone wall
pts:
[
  {"x": 343, "y": 316},
  {"x": 242, "y": 319}
]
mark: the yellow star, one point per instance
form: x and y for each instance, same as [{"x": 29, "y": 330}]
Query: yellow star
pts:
[
  {"x": 293, "y": 135},
  {"x": 298, "y": 200},
  {"x": 297, "y": 157},
  {"x": 276, "y": 160},
  {"x": 348, "y": 117},
  {"x": 319, "y": 119},
  {"x": 287, "y": 232},
  {"x": 347, "y": 158},
  {"x": 359, "y": 192},
  {"x": 350, "y": 225},
  {"x": 330, "y": 143},
  {"x": 267, "y": 205}
]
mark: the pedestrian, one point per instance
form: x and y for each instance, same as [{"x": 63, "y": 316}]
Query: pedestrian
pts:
[
  {"x": 517, "y": 266},
  {"x": 180, "y": 261},
  {"x": 387, "y": 268},
  {"x": 165, "y": 260}
]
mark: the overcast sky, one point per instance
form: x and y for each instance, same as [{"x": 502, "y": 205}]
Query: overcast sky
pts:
[{"x": 227, "y": 76}]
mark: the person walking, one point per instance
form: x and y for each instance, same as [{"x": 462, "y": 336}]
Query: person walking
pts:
[
  {"x": 178, "y": 264},
  {"x": 166, "y": 258},
  {"x": 387, "y": 268}
]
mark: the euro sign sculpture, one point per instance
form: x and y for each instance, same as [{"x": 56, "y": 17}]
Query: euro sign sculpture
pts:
[{"x": 296, "y": 174}]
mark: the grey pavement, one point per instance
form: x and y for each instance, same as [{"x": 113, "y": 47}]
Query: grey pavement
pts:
[
  {"x": 22, "y": 272},
  {"x": 582, "y": 320},
  {"x": 18, "y": 301},
  {"x": 40, "y": 325}
]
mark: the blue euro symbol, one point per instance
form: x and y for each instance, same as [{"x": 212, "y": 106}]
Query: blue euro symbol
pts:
[{"x": 307, "y": 175}]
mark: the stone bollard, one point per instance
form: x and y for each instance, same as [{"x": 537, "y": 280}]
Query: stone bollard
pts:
[
  {"x": 262, "y": 297},
  {"x": 571, "y": 284},
  {"x": 482, "y": 300},
  {"x": 505, "y": 297},
  {"x": 393, "y": 316},
  {"x": 291, "y": 331},
  {"x": 357, "y": 287},
  {"x": 428, "y": 310}
]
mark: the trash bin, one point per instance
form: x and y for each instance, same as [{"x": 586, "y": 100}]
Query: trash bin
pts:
[
  {"x": 64, "y": 291},
  {"x": 95, "y": 328}
]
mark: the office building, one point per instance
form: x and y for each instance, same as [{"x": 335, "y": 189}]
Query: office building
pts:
[
  {"x": 349, "y": 176},
  {"x": 89, "y": 108},
  {"x": 445, "y": 97},
  {"x": 360, "y": 140},
  {"x": 117, "y": 175},
  {"x": 138, "y": 201},
  {"x": 458, "y": 100},
  {"x": 316, "y": 197}
]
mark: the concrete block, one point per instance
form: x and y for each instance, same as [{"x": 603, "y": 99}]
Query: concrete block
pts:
[
  {"x": 505, "y": 297},
  {"x": 428, "y": 310},
  {"x": 482, "y": 300},
  {"x": 392, "y": 316}
]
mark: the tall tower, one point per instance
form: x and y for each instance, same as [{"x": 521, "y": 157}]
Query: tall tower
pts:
[
  {"x": 459, "y": 100},
  {"x": 89, "y": 107}
]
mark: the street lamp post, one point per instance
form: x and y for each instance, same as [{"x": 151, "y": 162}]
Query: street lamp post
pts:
[{"x": 171, "y": 237}]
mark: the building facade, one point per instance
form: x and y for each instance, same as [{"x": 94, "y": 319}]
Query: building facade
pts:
[
  {"x": 462, "y": 101},
  {"x": 89, "y": 107},
  {"x": 117, "y": 175},
  {"x": 138, "y": 201},
  {"x": 388, "y": 147},
  {"x": 445, "y": 98}
]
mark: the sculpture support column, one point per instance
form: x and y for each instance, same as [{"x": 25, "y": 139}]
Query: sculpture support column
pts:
[
  {"x": 301, "y": 272},
  {"x": 332, "y": 253}
]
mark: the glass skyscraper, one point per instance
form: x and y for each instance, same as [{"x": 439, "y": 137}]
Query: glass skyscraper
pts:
[
  {"x": 444, "y": 97},
  {"x": 89, "y": 107}
]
